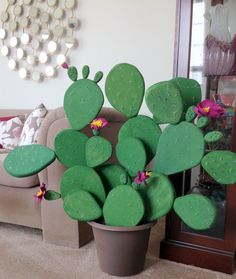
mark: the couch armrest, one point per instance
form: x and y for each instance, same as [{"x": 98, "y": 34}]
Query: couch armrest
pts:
[{"x": 57, "y": 227}]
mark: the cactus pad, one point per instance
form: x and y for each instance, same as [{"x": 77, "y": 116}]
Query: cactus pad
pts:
[
  {"x": 196, "y": 211},
  {"x": 73, "y": 73},
  {"x": 190, "y": 91},
  {"x": 70, "y": 147},
  {"x": 213, "y": 136},
  {"x": 180, "y": 147},
  {"x": 190, "y": 114},
  {"x": 112, "y": 176},
  {"x": 158, "y": 197},
  {"x": 125, "y": 89},
  {"x": 202, "y": 122},
  {"x": 20, "y": 162},
  {"x": 145, "y": 129},
  {"x": 221, "y": 165},
  {"x": 131, "y": 154},
  {"x": 165, "y": 102},
  {"x": 51, "y": 195},
  {"x": 81, "y": 205},
  {"x": 123, "y": 207},
  {"x": 82, "y": 178},
  {"x": 82, "y": 102},
  {"x": 98, "y": 150}
]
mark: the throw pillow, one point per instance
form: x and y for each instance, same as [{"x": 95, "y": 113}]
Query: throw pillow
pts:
[
  {"x": 29, "y": 133},
  {"x": 10, "y": 131}
]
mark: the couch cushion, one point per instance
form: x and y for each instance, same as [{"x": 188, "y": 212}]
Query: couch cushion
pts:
[{"x": 8, "y": 180}]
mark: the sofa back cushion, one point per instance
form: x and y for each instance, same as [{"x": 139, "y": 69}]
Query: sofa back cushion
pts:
[
  {"x": 10, "y": 131},
  {"x": 30, "y": 130}
]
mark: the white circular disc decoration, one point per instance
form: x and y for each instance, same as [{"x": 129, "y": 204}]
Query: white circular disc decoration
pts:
[
  {"x": 4, "y": 16},
  {"x": 25, "y": 38},
  {"x": 12, "y": 64},
  {"x": 70, "y": 42},
  {"x": 35, "y": 28},
  {"x": 33, "y": 12},
  {"x": 13, "y": 25},
  {"x": 13, "y": 42},
  {"x": 23, "y": 73},
  {"x": 20, "y": 53},
  {"x": 58, "y": 13},
  {"x": 35, "y": 44},
  {"x": 17, "y": 10},
  {"x": 24, "y": 22},
  {"x": 45, "y": 34},
  {"x": 52, "y": 3},
  {"x": 27, "y": 2},
  {"x": 31, "y": 60},
  {"x": 69, "y": 4},
  {"x": 5, "y": 50},
  {"x": 73, "y": 23},
  {"x": 61, "y": 59},
  {"x": 45, "y": 18},
  {"x": 52, "y": 46},
  {"x": 36, "y": 76},
  {"x": 3, "y": 33},
  {"x": 49, "y": 71},
  {"x": 43, "y": 58},
  {"x": 58, "y": 31}
]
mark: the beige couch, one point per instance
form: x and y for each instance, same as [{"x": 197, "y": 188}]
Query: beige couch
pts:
[{"x": 17, "y": 205}]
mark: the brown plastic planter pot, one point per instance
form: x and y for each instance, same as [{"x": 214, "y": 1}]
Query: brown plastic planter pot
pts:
[{"x": 121, "y": 250}]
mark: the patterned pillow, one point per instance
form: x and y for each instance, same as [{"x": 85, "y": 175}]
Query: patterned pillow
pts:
[
  {"x": 10, "y": 131},
  {"x": 29, "y": 133}
]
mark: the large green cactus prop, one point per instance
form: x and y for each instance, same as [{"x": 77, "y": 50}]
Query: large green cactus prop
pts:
[
  {"x": 123, "y": 207},
  {"x": 180, "y": 147},
  {"x": 82, "y": 102},
  {"x": 28, "y": 160},
  {"x": 131, "y": 154},
  {"x": 81, "y": 205},
  {"x": 221, "y": 165},
  {"x": 125, "y": 89},
  {"x": 70, "y": 147},
  {"x": 82, "y": 178},
  {"x": 158, "y": 197},
  {"x": 145, "y": 129},
  {"x": 98, "y": 150},
  {"x": 196, "y": 211}
]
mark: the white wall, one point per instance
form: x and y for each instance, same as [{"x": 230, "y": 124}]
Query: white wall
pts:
[{"x": 140, "y": 32}]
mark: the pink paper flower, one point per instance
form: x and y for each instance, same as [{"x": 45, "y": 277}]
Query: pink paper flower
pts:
[
  {"x": 142, "y": 177},
  {"x": 41, "y": 193},
  {"x": 98, "y": 123},
  {"x": 65, "y": 66},
  {"x": 209, "y": 108}
]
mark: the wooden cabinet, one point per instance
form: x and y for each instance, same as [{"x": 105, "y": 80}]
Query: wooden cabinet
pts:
[{"x": 214, "y": 248}]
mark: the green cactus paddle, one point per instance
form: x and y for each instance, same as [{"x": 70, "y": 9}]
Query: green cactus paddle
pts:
[
  {"x": 125, "y": 89},
  {"x": 70, "y": 147},
  {"x": 221, "y": 165},
  {"x": 131, "y": 154},
  {"x": 180, "y": 147},
  {"x": 98, "y": 150},
  {"x": 158, "y": 197},
  {"x": 196, "y": 211},
  {"x": 165, "y": 102},
  {"x": 81, "y": 205},
  {"x": 28, "y": 160},
  {"x": 82, "y": 102},
  {"x": 190, "y": 114},
  {"x": 82, "y": 178},
  {"x": 145, "y": 129},
  {"x": 113, "y": 175},
  {"x": 123, "y": 207}
]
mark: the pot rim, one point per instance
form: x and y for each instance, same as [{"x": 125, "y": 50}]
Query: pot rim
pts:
[{"x": 121, "y": 229}]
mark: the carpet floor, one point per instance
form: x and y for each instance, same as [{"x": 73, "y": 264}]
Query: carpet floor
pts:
[{"x": 23, "y": 255}]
